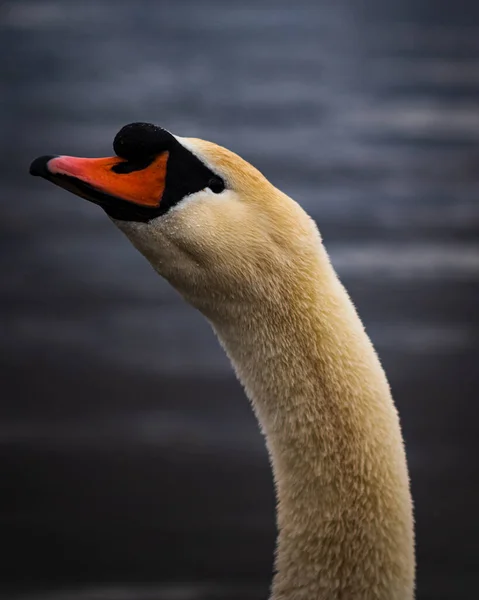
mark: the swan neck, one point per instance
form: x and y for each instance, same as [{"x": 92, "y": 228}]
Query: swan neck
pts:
[{"x": 323, "y": 402}]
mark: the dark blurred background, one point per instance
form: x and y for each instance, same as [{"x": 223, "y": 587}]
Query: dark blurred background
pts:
[{"x": 131, "y": 465}]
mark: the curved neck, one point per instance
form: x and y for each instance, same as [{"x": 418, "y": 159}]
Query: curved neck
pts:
[{"x": 323, "y": 402}]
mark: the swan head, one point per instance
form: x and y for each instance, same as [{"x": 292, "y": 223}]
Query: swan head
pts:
[{"x": 207, "y": 220}]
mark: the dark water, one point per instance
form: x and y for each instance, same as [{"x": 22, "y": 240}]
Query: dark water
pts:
[{"x": 130, "y": 459}]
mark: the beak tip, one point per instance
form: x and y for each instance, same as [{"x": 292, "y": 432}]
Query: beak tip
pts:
[{"x": 39, "y": 167}]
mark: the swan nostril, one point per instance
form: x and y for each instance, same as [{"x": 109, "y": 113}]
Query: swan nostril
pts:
[{"x": 131, "y": 166}]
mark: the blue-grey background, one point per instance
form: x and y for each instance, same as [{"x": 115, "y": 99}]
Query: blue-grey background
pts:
[{"x": 131, "y": 465}]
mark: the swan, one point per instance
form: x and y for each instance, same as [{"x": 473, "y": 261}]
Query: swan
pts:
[{"x": 252, "y": 261}]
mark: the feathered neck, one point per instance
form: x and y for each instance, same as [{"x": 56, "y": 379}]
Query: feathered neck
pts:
[{"x": 323, "y": 402}]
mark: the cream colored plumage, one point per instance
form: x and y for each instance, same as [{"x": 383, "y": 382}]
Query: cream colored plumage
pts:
[{"x": 252, "y": 261}]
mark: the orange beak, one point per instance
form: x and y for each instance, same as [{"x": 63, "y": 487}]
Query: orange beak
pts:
[{"x": 104, "y": 179}]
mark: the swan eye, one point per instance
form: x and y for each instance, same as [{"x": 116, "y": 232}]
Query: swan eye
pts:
[{"x": 216, "y": 185}]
